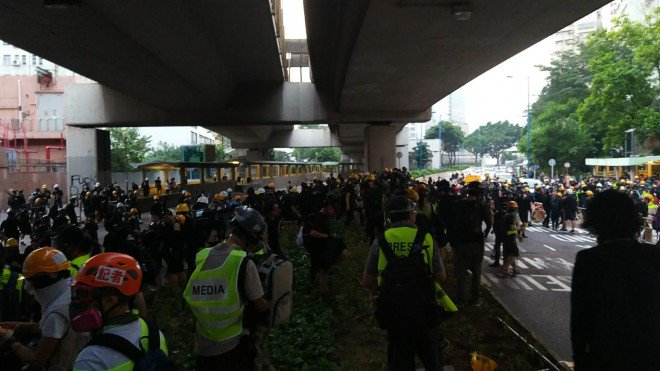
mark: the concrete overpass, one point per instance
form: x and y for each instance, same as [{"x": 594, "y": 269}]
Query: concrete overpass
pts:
[{"x": 219, "y": 63}]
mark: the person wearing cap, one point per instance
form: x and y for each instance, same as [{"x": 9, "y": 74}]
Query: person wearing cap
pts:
[
  {"x": 217, "y": 300},
  {"x": 103, "y": 293},
  {"x": 47, "y": 273},
  {"x": 615, "y": 291},
  {"x": 402, "y": 233}
]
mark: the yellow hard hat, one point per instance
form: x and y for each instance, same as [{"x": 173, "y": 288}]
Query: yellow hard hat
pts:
[
  {"x": 134, "y": 210},
  {"x": 89, "y": 193},
  {"x": 44, "y": 260},
  {"x": 353, "y": 176},
  {"x": 219, "y": 197},
  {"x": 630, "y": 182},
  {"x": 182, "y": 208},
  {"x": 237, "y": 198},
  {"x": 622, "y": 188},
  {"x": 12, "y": 242},
  {"x": 156, "y": 197},
  {"x": 648, "y": 196},
  {"x": 590, "y": 193},
  {"x": 526, "y": 189},
  {"x": 271, "y": 185},
  {"x": 371, "y": 177},
  {"x": 636, "y": 177},
  {"x": 559, "y": 194},
  {"x": 562, "y": 189},
  {"x": 43, "y": 186}
]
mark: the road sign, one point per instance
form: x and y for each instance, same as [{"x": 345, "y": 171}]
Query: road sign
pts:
[
  {"x": 535, "y": 167},
  {"x": 399, "y": 155},
  {"x": 567, "y": 164},
  {"x": 552, "y": 162}
]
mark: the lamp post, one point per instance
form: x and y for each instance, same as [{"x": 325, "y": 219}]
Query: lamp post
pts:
[
  {"x": 440, "y": 138},
  {"x": 125, "y": 134},
  {"x": 529, "y": 126}
]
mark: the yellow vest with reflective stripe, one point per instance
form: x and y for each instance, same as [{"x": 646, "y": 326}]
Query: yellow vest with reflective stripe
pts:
[
  {"x": 4, "y": 280},
  {"x": 214, "y": 299},
  {"x": 400, "y": 240},
  {"x": 144, "y": 342},
  {"x": 75, "y": 264}
]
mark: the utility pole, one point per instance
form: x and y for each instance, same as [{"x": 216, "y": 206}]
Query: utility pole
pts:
[
  {"x": 440, "y": 138},
  {"x": 529, "y": 126}
]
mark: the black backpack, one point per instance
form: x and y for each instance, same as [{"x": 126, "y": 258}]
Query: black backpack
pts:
[
  {"x": 406, "y": 297},
  {"x": 153, "y": 359}
]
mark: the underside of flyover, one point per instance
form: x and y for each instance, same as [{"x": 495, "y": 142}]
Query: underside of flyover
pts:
[{"x": 219, "y": 63}]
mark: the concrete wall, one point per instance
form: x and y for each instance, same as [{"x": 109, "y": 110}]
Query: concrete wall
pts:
[{"x": 88, "y": 157}]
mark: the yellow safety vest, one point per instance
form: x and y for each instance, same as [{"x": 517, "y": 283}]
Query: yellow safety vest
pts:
[
  {"x": 4, "y": 280},
  {"x": 214, "y": 299},
  {"x": 201, "y": 256},
  {"x": 401, "y": 240},
  {"x": 144, "y": 342},
  {"x": 75, "y": 264}
]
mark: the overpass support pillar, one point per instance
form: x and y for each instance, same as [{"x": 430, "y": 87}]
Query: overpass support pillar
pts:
[
  {"x": 87, "y": 158},
  {"x": 380, "y": 147},
  {"x": 254, "y": 155}
]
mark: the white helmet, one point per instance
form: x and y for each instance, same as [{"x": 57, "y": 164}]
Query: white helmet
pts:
[
  {"x": 599, "y": 185},
  {"x": 229, "y": 190},
  {"x": 225, "y": 194},
  {"x": 569, "y": 191},
  {"x": 261, "y": 191},
  {"x": 547, "y": 187},
  {"x": 98, "y": 184},
  {"x": 56, "y": 186}
]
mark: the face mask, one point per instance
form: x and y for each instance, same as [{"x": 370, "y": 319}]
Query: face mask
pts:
[{"x": 87, "y": 320}]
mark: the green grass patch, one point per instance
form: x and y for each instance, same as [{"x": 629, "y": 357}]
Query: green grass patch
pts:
[{"x": 416, "y": 173}]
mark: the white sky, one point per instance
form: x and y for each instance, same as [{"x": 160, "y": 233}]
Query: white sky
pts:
[{"x": 489, "y": 97}]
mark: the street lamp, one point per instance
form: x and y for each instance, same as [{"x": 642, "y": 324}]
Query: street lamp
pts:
[
  {"x": 125, "y": 134},
  {"x": 529, "y": 141}
]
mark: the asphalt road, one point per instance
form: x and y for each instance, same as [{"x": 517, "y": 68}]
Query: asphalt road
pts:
[{"x": 539, "y": 298}]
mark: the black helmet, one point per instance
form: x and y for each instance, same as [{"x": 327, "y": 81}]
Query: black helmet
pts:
[
  {"x": 250, "y": 221},
  {"x": 399, "y": 205}
]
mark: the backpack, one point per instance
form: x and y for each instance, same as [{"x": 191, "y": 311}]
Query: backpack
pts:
[
  {"x": 276, "y": 275},
  {"x": 406, "y": 297},
  {"x": 468, "y": 221},
  {"x": 151, "y": 360}
]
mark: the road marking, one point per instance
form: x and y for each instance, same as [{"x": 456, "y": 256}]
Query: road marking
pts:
[
  {"x": 572, "y": 238},
  {"x": 533, "y": 282},
  {"x": 523, "y": 284},
  {"x": 567, "y": 279},
  {"x": 554, "y": 281},
  {"x": 568, "y": 265},
  {"x": 493, "y": 279},
  {"x": 536, "y": 262},
  {"x": 583, "y": 246},
  {"x": 549, "y": 247},
  {"x": 488, "y": 246},
  {"x": 520, "y": 264}
]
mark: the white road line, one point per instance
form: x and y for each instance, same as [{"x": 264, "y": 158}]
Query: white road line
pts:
[
  {"x": 523, "y": 284},
  {"x": 533, "y": 282},
  {"x": 520, "y": 264},
  {"x": 583, "y": 246},
  {"x": 493, "y": 279},
  {"x": 549, "y": 247},
  {"x": 536, "y": 263}
]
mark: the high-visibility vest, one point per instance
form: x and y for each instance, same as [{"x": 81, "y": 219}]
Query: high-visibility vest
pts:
[
  {"x": 75, "y": 264},
  {"x": 214, "y": 299},
  {"x": 12, "y": 284},
  {"x": 201, "y": 256},
  {"x": 144, "y": 342},
  {"x": 401, "y": 240}
]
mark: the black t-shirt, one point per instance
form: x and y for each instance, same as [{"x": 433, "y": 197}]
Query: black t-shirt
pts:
[{"x": 10, "y": 228}]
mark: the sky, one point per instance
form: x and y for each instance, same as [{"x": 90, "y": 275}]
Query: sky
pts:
[{"x": 490, "y": 97}]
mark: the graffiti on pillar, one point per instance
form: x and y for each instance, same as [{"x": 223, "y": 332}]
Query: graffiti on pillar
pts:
[{"x": 79, "y": 182}]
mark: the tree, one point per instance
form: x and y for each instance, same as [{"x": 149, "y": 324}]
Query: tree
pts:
[
  {"x": 471, "y": 143},
  {"x": 498, "y": 137},
  {"x": 164, "y": 152},
  {"x": 452, "y": 138},
  {"x": 220, "y": 153},
  {"x": 426, "y": 157},
  {"x": 127, "y": 146},
  {"x": 317, "y": 154},
  {"x": 623, "y": 94},
  {"x": 564, "y": 140},
  {"x": 276, "y": 155}
]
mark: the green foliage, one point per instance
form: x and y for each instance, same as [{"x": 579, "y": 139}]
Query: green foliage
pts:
[
  {"x": 317, "y": 154},
  {"x": 471, "y": 143},
  {"x": 127, "y": 146},
  {"x": 220, "y": 153},
  {"x": 426, "y": 155},
  {"x": 276, "y": 155},
  {"x": 310, "y": 126},
  {"x": 497, "y": 137},
  {"x": 564, "y": 140},
  {"x": 624, "y": 89},
  {"x": 452, "y": 138},
  {"x": 425, "y": 172},
  {"x": 164, "y": 152}
]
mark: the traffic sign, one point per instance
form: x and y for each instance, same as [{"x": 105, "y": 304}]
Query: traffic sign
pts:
[
  {"x": 552, "y": 162},
  {"x": 567, "y": 164},
  {"x": 535, "y": 166},
  {"x": 399, "y": 155}
]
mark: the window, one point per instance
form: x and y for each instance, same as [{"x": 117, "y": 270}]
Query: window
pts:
[
  {"x": 6, "y": 59},
  {"x": 34, "y": 60},
  {"x": 41, "y": 61},
  {"x": 193, "y": 137},
  {"x": 23, "y": 59}
]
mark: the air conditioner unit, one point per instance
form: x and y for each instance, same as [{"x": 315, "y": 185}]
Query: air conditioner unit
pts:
[{"x": 16, "y": 62}]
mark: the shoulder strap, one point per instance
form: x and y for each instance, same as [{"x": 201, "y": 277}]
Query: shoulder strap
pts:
[
  {"x": 241, "y": 277},
  {"x": 419, "y": 237},
  {"x": 385, "y": 247},
  {"x": 154, "y": 334},
  {"x": 119, "y": 344}
]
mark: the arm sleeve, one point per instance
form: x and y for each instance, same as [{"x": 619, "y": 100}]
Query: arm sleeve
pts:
[
  {"x": 55, "y": 326},
  {"x": 253, "y": 288}
]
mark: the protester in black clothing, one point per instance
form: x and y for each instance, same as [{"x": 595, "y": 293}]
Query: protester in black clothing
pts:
[
  {"x": 10, "y": 227},
  {"x": 158, "y": 185},
  {"x": 615, "y": 296},
  {"x": 145, "y": 187},
  {"x": 570, "y": 210},
  {"x": 271, "y": 214}
]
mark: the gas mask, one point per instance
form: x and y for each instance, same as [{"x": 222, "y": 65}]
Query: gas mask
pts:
[{"x": 84, "y": 309}]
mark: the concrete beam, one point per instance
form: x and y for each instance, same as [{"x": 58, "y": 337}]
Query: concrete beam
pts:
[
  {"x": 292, "y": 138},
  {"x": 94, "y": 105}
]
